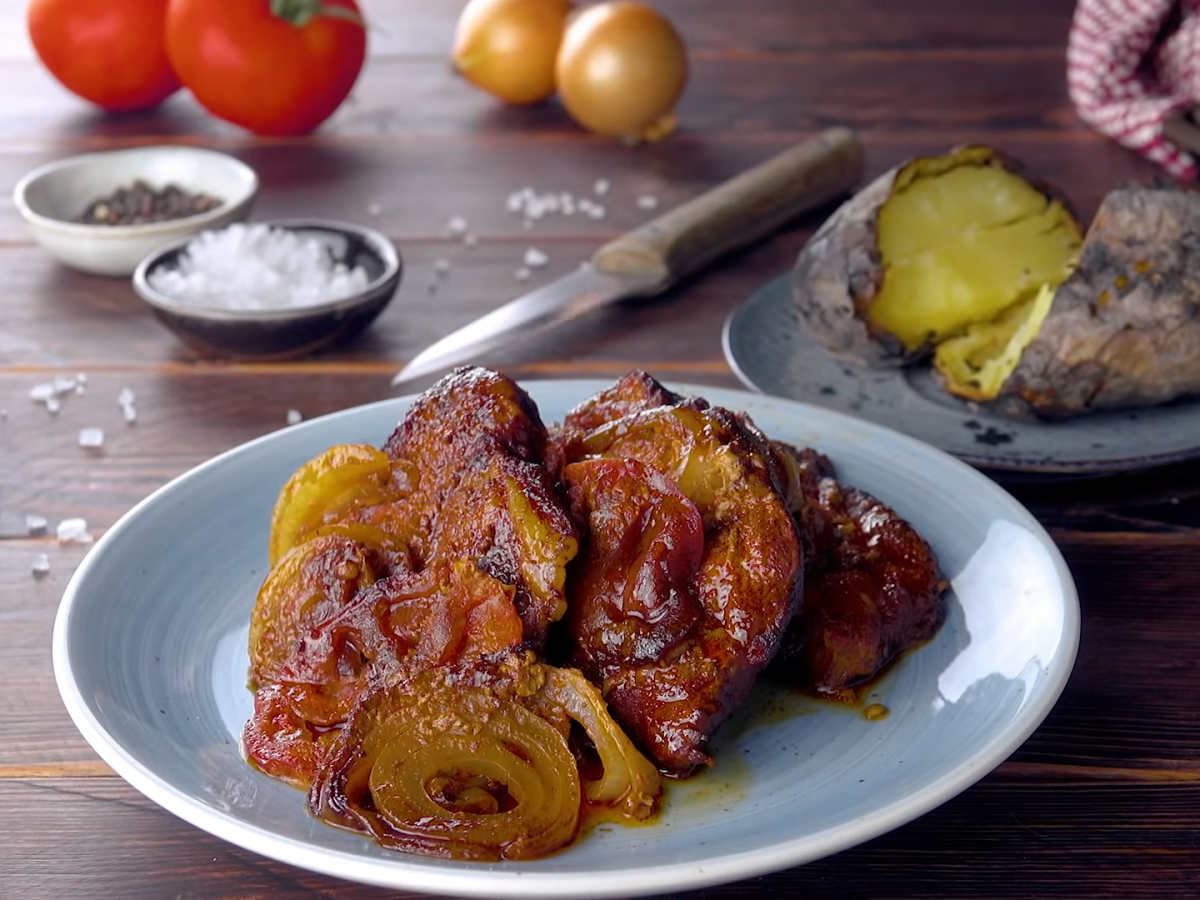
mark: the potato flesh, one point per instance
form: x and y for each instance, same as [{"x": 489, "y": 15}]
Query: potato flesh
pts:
[
  {"x": 960, "y": 246},
  {"x": 976, "y": 364}
]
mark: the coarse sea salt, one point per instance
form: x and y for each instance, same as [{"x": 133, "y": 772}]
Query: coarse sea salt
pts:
[
  {"x": 91, "y": 438},
  {"x": 257, "y": 267},
  {"x": 41, "y": 565},
  {"x": 73, "y": 531}
]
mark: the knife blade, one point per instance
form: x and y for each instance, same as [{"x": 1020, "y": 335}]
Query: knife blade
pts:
[{"x": 652, "y": 257}]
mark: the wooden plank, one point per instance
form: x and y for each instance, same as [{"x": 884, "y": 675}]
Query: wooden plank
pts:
[
  {"x": 421, "y": 97},
  {"x": 100, "y": 839}
]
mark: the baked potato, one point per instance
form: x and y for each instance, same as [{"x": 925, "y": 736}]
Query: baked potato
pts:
[{"x": 971, "y": 262}]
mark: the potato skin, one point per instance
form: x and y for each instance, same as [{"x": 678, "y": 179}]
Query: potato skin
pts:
[
  {"x": 1124, "y": 328},
  {"x": 837, "y": 275}
]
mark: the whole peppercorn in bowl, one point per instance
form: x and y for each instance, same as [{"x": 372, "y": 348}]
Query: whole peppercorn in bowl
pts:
[{"x": 104, "y": 213}]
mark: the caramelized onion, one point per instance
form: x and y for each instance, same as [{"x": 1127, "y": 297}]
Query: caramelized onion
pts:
[
  {"x": 455, "y": 769},
  {"x": 630, "y": 782},
  {"x": 340, "y": 479}
]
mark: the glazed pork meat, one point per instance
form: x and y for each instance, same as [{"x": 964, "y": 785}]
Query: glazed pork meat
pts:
[
  {"x": 872, "y": 585},
  {"x": 690, "y": 569}
]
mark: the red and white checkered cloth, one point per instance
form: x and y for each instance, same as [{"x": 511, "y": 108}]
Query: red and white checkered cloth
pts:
[{"x": 1130, "y": 64}]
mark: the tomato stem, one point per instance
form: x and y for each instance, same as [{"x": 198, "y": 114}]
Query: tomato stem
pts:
[{"x": 300, "y": 12}]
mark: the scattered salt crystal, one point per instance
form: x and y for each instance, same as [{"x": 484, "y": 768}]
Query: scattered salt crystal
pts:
[
  {"x": 41, "y": 565},
  {"x": 35, "y": 525},
  {"x": 53, "y": 405},
  {"x": 522, "y": 274},
  {"x": 374, "y": 209},
  {"x": 457, "y": 225},
  {"x": 73, "y": 531},
  {"x": 597, "y": 211},
  {"x": 64, "y": 384},
  {"x": 91, "y": 437},
  {"x": 294, "y": 417},
  {"x": 257, "y": 267},
  {"x": 535, "y": 258},
  {"x": 515, "y": 202},
  {"x": 125, "y": 402},
  {"x": 442, "y": 267},
  {"x": 647, "y": 201},
  {"x": 40, "y": 393},
  {"x": 601, "y": 186}
]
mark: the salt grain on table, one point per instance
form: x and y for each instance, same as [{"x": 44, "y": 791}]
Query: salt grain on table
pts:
[
  {"x": 294, "y": 417},
  {"x": 647, "y": 201},
  {"x": 40, "y": 393},
  {"x": 91, "y": 438},
  {"x": 35, "y": 525},
  {"x": 535, "y": 258},
  {"x": 254, "y": 267},
  {"x": 125, "y": 402},
  {"x": 456, "y": 226},
  {"x": 73, "y": 531},
  {"x": 601, "y": 186},
  {"x": 41, "y": 565}
]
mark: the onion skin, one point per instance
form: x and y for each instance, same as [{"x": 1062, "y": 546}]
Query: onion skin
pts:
[
  {"x": 621, "y": 69},
  {"x": 508, "y": 47}
]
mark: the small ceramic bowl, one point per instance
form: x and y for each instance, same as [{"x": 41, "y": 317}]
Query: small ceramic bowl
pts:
[
  {"x": 288, "y": 332},
  {"x": 51, "y": 197}
]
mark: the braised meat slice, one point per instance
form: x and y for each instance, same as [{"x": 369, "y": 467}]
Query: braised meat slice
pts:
[
  {"x": 467, "y": 464},
  {"x": 872, "y": 585},
  {"x": 691, "y": 568}
]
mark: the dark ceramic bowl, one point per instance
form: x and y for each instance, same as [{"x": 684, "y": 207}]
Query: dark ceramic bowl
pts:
[{"x": 281, "y": 333}]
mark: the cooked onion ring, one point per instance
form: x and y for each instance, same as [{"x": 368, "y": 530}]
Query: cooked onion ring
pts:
[
  {"x": 454, "y": 769},
  {"x": 630, "y": 782},
  {"x": 343, "y": 478}
]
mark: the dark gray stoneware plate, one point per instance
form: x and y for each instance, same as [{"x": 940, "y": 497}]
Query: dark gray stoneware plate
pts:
[{"x": 770, "y": 350}]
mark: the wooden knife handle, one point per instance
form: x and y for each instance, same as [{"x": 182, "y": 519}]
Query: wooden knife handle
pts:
[{"x": 736, "y": 213}]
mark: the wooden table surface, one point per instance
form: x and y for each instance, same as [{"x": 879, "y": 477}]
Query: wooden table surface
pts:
[{"x": 1102, "y": 801}]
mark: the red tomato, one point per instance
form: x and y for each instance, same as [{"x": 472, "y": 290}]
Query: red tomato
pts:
[
  {"x": 110, "y": 52},
  {"x": 274, "y": 67}
]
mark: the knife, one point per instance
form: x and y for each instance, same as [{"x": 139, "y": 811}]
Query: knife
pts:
[{"x": 652, "y": 257}]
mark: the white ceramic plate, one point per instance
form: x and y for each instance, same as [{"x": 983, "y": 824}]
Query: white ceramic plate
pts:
[{"x": 150, "y": 657}]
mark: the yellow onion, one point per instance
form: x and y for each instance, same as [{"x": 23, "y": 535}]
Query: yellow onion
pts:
[
  {"x": 340, "y": 479},
  {"x": 621, "y": 69},
  {"x": 446, "y": 767},
  {"x": 630, "y": 782},
  {"x": 508, "y": 47}
]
